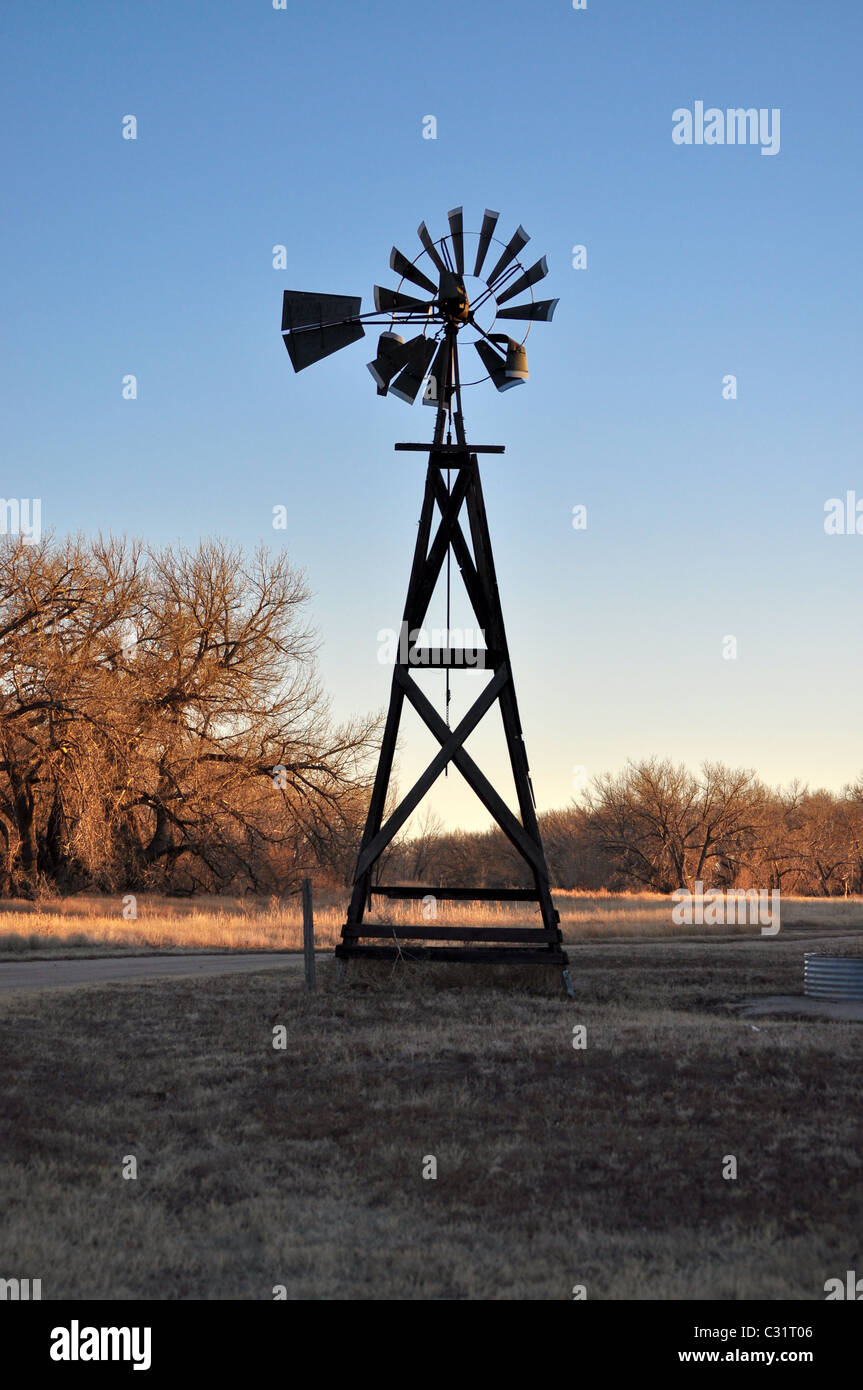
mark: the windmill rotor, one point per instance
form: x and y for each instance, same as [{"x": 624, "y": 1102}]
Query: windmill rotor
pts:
[{"x": 316, "y": 325}]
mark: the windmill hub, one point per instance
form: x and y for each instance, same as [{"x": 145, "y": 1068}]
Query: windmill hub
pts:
[{"x": 453, "y": 298}]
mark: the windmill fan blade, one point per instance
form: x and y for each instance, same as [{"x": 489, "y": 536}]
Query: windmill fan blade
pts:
[
  {"x": 456, "y": 226},
  {"x": 489, "y": 222},
  {"x": 402, "y": 266},
  {"x": 406, "y": 386},
  {"x": 495, "y": 365},
  {"x": 530, "y": 277},
  {"x": 437, "y": 381},
  {"x": 393, "y": 352},
  {"x": 392, "y": 302},
  {"x": 516, "y": 360},
  {"x": 393, "y": 357},
  {"x": 542, "y": 311},
  {"x": 516, "y": 243},
  {"x": 425, "y": 238},
  {"x": 314, "y": 325}
]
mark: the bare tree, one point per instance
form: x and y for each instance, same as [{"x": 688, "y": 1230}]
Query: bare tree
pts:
[
  {"x": 161, "y": 718},
  {"x": 668, "y": 829},
  {"x": 824, "y": 849}
]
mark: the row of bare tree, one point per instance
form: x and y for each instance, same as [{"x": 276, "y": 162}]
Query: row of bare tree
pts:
[
  {"x": 658, "y": 826},
  {"x": 161, "y": 723}
]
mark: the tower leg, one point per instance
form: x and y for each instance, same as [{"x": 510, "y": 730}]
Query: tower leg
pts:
[
  {"x": 377, "y": 805},
  {"x": 481, "y": 539}
]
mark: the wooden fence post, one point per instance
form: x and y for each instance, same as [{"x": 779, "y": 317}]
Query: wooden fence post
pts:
[{"x": 309, "y": 935}]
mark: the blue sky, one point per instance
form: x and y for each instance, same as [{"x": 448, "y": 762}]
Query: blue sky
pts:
[{"x": 303, "y": 127}]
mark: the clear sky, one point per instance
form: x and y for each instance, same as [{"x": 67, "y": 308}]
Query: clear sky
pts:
[{"x": 303, "y": 127}]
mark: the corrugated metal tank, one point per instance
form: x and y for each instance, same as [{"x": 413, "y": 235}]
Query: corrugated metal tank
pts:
[{"x": 832, "y": 977}]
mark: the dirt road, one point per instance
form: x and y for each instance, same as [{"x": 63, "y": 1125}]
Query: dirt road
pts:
[{"x": 98, "y": 970}]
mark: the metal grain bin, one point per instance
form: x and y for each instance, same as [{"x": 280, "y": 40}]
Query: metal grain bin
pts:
[{"x": 832, "y": 977}]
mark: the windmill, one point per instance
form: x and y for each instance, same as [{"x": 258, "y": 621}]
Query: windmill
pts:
[{"x": 446, "y": 317}]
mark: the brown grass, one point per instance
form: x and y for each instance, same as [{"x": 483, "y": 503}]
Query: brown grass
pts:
[
  {"x": 90, "y": 924},
  {"x": 556, "y": 1167}
]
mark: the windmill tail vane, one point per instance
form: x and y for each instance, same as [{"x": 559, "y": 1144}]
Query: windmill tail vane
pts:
[{"x": 449, "y": 306}]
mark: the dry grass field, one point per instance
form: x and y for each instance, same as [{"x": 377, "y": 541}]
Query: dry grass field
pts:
[
  {"x": 555, "y": 1166},
  {"x": 92, "y": 924}
]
